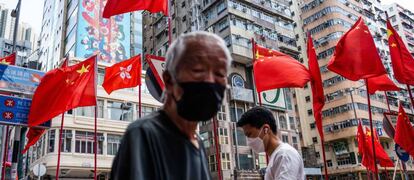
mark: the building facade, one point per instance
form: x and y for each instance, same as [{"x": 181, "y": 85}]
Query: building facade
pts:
[
  {"x": 75, "y": 28},
  {"x": 403, "y": 22},
  {"x": 346, "y": 101},
  {"x": 271, "y": 24}
]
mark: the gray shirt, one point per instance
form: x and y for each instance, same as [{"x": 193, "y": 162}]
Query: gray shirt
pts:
[{"x": 154, "y": 148}]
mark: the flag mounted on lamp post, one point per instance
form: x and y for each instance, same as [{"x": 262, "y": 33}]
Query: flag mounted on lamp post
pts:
[{"x": 9, "y": 60}]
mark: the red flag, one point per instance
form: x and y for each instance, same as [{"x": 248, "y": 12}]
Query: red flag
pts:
[
  {"x": 402, "y": 61},
  {"x": 278, "y": 71},
  {"x": 356, "y": 56},
  {"x": 361, "y": 139},
  {"x": 381, "y": 83},
  {"x": 382, "y": 157},
  {"x": 33, "y": 136},
  {"x": 366, "y": 151},
  {"x": 64, "y": 89},
  {"x": 125, "y": 74},
  {"x": 115, "y": 7},
  {"x": 316, "y": 84},
  {"x": 9, "y": 60},
  {"x": 404, "y": 132}
]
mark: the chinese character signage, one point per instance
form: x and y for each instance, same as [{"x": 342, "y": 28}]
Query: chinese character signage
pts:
[
  {"x": 18, "y": 79},
  {"x": 15, "y": 111}
]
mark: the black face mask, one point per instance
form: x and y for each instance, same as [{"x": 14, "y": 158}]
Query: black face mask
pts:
[{"x": 200, "y": 100}]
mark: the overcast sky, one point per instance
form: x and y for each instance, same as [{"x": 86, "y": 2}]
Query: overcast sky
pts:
[{"x": 32, "y": 10}]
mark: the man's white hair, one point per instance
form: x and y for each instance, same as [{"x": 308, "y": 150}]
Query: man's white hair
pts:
[{"x": 179, "y": 46}]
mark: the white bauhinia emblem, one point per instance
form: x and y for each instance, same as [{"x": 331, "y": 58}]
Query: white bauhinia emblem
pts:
[{"x": 125, "y": 72}]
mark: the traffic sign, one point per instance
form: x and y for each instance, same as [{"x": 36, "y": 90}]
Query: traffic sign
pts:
[
  {"x": 39, "y": 170},
  {"x": 19, "y": 79},
  {"x": 401, "y": 153},
  {"x": 15, "y": 111}
]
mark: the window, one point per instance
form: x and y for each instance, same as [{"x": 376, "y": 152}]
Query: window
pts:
[
  {"x": 307, "y": 98},
  {"x": 310, "y": 112},
  {"x": 51, "y": 141},
  {"x": 225, "y": 161},
  {"x": 314, "y": 139},
  {"x": 222, "y": 24},
  {"x": 283, "y": 122},
  {"x": 84, "y": 142},
  {"x": 120, "y": 111},
  {"x": 114, "y": 141},
  {"x": 221, "y": 7},
  {"x": 223, "y": 135},
  {"x": 285, "y": 138},
  {"x": 221, "y": 114},
  {"x": 236, "y": 112},
  {"x": 312, "y": 125},
  {"x": 246, "y": 161},
  {"x": 145, "y": 110},
  {"x": 66, "y": 141},
  {"x": 329, "y": 162},
  {"x": 207, "y": 139},
  {"x": 241, "y": 138},
  {"x": 101, "y": 75},
  {"x": 318, "y": 155},
  {"x": 89, "y": 111},
  {"x": 212, "y": 164},
  {"x": 292, "y": 123},
  {"x": 295, "y": 142}
]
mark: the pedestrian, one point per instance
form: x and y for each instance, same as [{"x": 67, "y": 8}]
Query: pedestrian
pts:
[
  {"x": 164, "y": 145},
  {"x": 285, "y": 163}
]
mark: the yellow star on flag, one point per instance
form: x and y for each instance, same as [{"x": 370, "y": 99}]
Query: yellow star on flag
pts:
[
  {"x": 83, "y": 70},
  {"x": 3, "y": 61},
  {"x": 389, "y": 32},
  {"x": 258, "y": 55},
  {"x": 393, "y": 45}
]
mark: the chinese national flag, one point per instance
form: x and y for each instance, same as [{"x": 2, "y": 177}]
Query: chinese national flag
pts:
[
  {"x": 125, "y": 74},
  {"x": 356, "y": 56},
  {"x": 402, "y": 61},
  {"x": 64, "y": 89},
  {"x": 316, "y": 84},
  {"x": 404, "y": 132},
  {"x": 115, "y": 7},
  {"x": 9, "y": 60},
  {"x": 381, "y": 83},
  {"x": 275, "y": 70},
  {"x": 367, "y": 157},
  {"x": 361, "y": 139},
  {"x": 33, "y": 136}
]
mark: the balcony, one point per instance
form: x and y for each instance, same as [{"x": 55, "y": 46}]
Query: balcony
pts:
[{"x": 241, "y": 94}]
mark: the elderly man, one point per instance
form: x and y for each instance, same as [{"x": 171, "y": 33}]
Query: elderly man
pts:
[{"x": 164, "y": 145}]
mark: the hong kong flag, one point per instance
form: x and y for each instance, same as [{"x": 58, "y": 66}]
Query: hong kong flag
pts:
[
  {"x": 63, "y": 89},
  {"x": 125, "y": 74},
  {"x": 9, "y": 60}
]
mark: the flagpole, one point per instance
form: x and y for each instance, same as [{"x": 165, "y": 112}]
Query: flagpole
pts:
[
  {"x": 395, "y": 168},
  {"x": 96, "y": 119},
  {"x": 139, "y": 99},
  {"x": 169, "y": 24},
  {"x": 372, "y": 129},
  {"x": 59, "y": 147},
  {"x": 218, "y": 155},
  {"x": 386, "y": 173},
  {"x": 324, "y": 159},
  {"x": 6, "y": 143}
]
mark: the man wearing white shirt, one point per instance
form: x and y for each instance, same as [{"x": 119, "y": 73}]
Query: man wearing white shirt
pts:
[{"x": 285, "y": 163}]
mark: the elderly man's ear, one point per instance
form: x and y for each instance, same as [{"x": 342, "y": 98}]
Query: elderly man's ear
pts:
[{"x": 168, "y": 81}]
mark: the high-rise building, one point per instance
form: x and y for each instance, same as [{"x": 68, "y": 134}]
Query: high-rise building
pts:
[
  {"x": 403, "y": 22},
  {"x": 271, "y": 24},
  {"x": 75, "y": 28},
  {"x": 346, "y": 101}
]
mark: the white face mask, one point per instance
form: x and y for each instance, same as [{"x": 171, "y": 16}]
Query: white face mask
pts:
[{"x": 256, "y": 143}]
